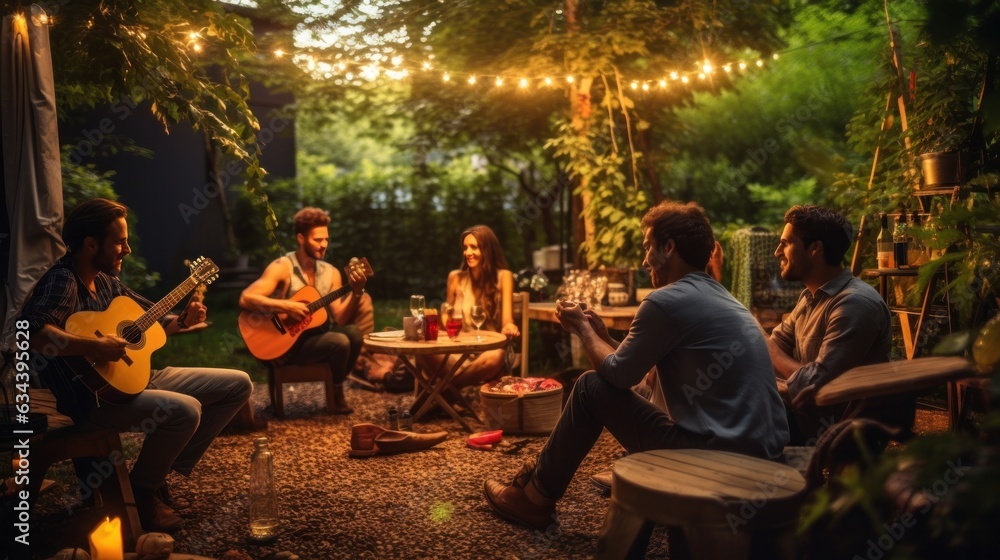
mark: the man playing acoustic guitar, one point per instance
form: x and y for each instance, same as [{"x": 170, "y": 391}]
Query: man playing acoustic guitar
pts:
[
  {"x": 181, "y": 409},
  {"x": 339, "y": 341}
]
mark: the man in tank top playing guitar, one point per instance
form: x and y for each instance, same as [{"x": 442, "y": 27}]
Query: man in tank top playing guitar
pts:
[
  {"x": 339, "y": 341},
  {"x": 90, "y": 349}
]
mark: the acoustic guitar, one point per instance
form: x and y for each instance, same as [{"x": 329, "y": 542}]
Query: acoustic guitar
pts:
[
  {"x": 121, "y": 380},
  {"x": 269, "y": 336}
]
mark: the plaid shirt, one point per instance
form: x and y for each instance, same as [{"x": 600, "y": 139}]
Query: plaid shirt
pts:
[{"x": 57, "y": 295}]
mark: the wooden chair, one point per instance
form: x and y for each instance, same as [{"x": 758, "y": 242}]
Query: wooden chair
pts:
[
  {"x": 971, "y": 394},
  {"x": 279, "y": 375},
  {"x": 63, "y": 440},
  {"x": 716, "y": 504}
]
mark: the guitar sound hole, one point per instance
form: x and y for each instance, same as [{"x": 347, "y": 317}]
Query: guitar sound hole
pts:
[{"x": 132, "y": 334}]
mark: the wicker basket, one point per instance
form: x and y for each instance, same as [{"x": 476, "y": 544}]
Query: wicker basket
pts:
[{"x": 533, "y": 413}]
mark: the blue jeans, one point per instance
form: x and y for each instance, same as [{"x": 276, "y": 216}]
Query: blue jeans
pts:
[
  {"x": 181, "y": 411},
  {"x": 595, "y": 404}
]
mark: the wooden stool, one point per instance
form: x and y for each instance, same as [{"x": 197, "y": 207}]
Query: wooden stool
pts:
[
  {"x": 297, "y": 374},
  {"x": 714, "y": 500},
  {"x": 965, "y": 396},
  {"x": 72, "y": 442}
]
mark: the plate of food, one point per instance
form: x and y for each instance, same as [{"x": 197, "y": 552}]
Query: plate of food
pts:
[{"x": 387, "y": 335}]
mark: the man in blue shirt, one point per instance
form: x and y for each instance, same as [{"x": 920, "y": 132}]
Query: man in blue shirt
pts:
[{"x": 711, "y": 359}]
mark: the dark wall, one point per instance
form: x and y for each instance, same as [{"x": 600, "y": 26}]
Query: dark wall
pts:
[{"x": 174, "y": 194}]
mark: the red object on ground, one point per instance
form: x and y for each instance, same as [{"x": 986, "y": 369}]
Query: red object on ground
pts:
[
  {"x": 486, "y": 447},
  {"x": 485, "y": 438}
]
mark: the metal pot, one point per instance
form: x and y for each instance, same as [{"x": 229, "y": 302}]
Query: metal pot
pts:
[{"x": 941, "y": 169}]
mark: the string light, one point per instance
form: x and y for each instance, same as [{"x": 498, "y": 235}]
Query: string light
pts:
[{"x": 372, "y": 69}]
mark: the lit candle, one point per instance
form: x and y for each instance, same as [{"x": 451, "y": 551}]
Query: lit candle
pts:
[{"x": 106, "y": 541}]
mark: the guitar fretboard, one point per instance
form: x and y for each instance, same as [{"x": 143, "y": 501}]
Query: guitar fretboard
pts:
[
  {"x": 325, "y": 300},
  {"x": 168, "y": 302}
]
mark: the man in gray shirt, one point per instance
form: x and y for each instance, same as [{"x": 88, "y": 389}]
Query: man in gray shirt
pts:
[
  {"x": 711, "y": 358},
  {"x": 839, "y": 322}
]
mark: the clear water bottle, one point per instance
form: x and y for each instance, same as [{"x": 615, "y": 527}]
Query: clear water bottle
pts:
[{"x": 263, "y": 499}]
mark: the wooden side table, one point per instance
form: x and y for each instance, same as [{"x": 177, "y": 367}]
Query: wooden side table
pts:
[{"x": 431, "y": 386}]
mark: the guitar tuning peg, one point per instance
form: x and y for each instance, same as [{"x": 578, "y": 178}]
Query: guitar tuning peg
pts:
[{"x": 187, "y": 262}]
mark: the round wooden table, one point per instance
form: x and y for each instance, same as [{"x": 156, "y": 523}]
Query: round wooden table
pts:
[{"x": 431, "y": 385}]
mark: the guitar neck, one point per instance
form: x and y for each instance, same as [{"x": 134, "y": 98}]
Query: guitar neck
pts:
[
  {"x": 168, "y": 302},
  {"x": 325, "y": 300}
]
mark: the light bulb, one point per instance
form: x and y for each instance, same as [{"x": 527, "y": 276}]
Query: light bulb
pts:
[{"x": 472, "y": 80}]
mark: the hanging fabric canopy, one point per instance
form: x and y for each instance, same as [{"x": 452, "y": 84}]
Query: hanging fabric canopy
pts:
[{"x": 31, "y": 165}]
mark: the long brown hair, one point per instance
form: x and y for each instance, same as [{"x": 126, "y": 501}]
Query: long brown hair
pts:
[{"x": 485, "y": 287}]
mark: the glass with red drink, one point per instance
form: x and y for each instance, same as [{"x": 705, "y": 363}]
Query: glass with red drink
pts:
[
  {"x": 431, "y": 325},
  {"x": 453, "y": 326}
]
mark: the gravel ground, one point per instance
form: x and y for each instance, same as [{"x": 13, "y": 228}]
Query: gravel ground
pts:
[{"x": 426, "y": 504}]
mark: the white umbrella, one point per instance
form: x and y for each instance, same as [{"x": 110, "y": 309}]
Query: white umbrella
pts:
[{"x": 32, "y": 179}]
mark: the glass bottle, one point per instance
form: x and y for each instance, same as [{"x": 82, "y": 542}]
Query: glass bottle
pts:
[
  {"x": 883, "y": 244},
  {"x": 916, "y": 255},
  {"x": 392, "y": 418},
  {"x": 900, "y": 242},
  {"x": 263, "y": 499}
]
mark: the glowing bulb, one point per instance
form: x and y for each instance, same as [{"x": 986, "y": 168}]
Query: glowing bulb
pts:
[
  {"x": 548, "y": 81},
  {"x": 645, "y": 86},
  {"x": 774, "y": 56},
  {"x": 349, "y": 76},
  {"x": 193, "y": 36},
  {"x": 706, "y": 68},
  {"x": 279, "y": 53},
  {"x": 673, "y": 75},
  {"x": 196, "y": 47},
  {"x": 743, "y": 65},
  {"x": 684, "y": 79},
  {"x": 635, "y": 85},
  {"x": 569, "y": 79},
  {"x": 701, "y": 75},
  {"x": 426, "y": 66},
  {"x": 499, "y": 81},
  {"x": 446, "y": 78},
  {"x": 472, "y": 80},
  {"x": 523, "y": 83},
  {"x": 663, "y": 83},
  {"x": 728, "y": 68},
  {"x": 760, "y": 62}
]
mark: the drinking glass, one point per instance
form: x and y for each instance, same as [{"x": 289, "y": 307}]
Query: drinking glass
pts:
[
  {"x": 478, "y": 318},
  {"x": 417, "y": 305},
  {"x": 454, "y": 324}
]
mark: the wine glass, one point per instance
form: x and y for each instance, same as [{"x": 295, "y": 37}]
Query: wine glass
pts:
[
  {"x": 417, "y": 305},
  {"x": 478, "y": 316},
  {"x": 454, "y": 323}
]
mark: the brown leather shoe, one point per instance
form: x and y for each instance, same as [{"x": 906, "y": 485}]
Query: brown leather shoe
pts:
[
  {"x": 369, "y": 439},
  {"x": 511, "y": 502},
  {"x": 172, "y": 500},
  {"x": 154, "y": 515},
  {"x": 602, "y": 481}
]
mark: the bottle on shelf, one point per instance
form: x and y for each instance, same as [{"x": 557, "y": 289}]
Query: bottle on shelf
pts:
[
  {"x": 900, "y": 242},
  {"x": 883, "y": 244},
  {"x": 263, "y": 499},
  {"x": 917, "y": 254}
]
